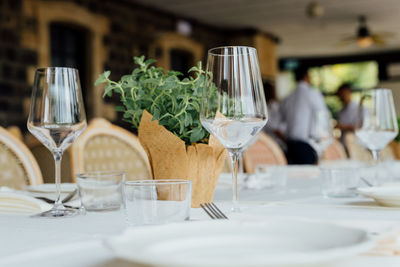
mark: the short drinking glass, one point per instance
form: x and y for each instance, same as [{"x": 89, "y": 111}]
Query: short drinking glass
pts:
[
  {"x": 101, "y": 191},
  {"x": 341, "y": 182},
  {"x": 157, "y": 201}
]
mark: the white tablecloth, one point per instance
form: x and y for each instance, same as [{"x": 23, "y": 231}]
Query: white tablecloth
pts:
[{"x": 77, "y": 241}]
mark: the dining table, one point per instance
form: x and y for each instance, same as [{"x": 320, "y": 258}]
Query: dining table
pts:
[{"x": 79, "y": 241}]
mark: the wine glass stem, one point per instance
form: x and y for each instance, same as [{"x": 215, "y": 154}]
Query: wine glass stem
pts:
[
  {"x": 57, "y": 158},
  {"x": 375, "y": 156},
  {"x": 235, "y": 156}
]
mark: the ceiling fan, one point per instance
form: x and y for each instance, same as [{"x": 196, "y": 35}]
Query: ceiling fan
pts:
[{"x": 364, "y": 37}]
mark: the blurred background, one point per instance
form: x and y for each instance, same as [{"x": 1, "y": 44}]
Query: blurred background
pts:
[{"x": 352, "y": 41}]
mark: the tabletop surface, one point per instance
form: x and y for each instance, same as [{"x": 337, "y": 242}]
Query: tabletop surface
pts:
[{"x": 27, "y": 241}]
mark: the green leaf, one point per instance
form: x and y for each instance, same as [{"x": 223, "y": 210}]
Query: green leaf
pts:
[
  {"x": 156, "y": 113},
  {"x": 119, "y": 108},
  {"x": 107, "y": 74},
  {"x": 196, "y": 135},
  {"x": 194, "y": 68},
  {"x": 150, "y": 61},
  {"x": 102, "y": 78},
  {"x": 108, "y": 90}
]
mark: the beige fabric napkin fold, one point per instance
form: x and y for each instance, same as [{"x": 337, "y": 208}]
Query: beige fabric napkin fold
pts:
[
  {"x": 388, "y": 244},
  {"x": 18, "y": 203}
]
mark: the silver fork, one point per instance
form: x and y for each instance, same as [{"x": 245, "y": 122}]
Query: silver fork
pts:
[
  {"x": 213, "y": 211},
  {"x": 65, "y": 200}
]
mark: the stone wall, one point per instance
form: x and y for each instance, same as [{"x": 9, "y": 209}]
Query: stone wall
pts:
[
  {"x": 14, "y": 60},
  {"x": 131, "y": 31}
]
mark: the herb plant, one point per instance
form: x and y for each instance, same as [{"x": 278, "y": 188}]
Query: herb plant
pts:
[
  {"x": 173, "y": 101},
  {"x": 397, "y": 139}
]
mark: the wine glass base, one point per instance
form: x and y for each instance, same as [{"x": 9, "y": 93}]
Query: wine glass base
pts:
[
  {"x": 235, "y": 207},
  {"x": 55, "y": 213}
]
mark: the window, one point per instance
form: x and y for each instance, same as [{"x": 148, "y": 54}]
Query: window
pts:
[
  {"x": 69, "y": 46},
  {"x": 360, "y": 75},
  {"x": 181, "y": 60}
]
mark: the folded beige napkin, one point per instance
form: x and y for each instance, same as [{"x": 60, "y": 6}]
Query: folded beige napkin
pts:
[
  {"x": 388, "y": 244},
  {"x": 18, "y": 203}
]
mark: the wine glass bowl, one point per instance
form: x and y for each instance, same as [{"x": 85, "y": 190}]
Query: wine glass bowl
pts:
[
  {"x": 233, "y": 104},
  {"x": 57, "y": 117},
  {"x": 377, "y": 121}
]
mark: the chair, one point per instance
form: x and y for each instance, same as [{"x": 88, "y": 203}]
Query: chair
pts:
[
  {"x": 46, "y": 161},
  {"x": 334, "y": 151},
  {"x": 227, "y": 168},
  {"x": 358, "y": 152},
  {"x": 387, "y": 153},
  {"x": 264, "y": 151},
  {"x": 355, "y": 150},
  {"x": 15, "y": 131},
  {"x": 107, "y": 147},
  {"x": 18, "y": 167}
]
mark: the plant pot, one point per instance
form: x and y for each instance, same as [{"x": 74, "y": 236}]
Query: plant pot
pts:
[
  {"x": 170, "y": 158},
  {"x": 396, "y": 149}
]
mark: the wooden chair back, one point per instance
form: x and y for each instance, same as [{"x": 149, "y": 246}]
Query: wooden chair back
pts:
[
  {"x": 18, "y": 166},
  {"x": 107, "y": 147},
  {"x": 355, "y": 150},
  {"x": 46, "y": 161},
  {"x": 334, "y": 151},
  {"x": 16, "y": 132},
  {"x": 264, "y": 151},
  {"x": 358, "y": 152}
]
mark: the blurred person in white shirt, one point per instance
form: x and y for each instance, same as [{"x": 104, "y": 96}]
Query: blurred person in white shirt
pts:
[{"x": 297, "y": 112}]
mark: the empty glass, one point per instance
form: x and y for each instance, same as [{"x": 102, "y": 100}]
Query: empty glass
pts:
[
  {"x": 339, "y": 182},
  {"x": 101, "y": 191},
  {"x": 157, "y": 201}
]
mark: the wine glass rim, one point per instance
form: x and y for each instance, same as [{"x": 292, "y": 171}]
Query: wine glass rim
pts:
[
  {"x": 372, "y": 91},
  {"x": 377, "y": 89},
  {"x": 100, "y": 174},
  {"x": 213, "y": 52},
  {"x": 54, "y": 68}
]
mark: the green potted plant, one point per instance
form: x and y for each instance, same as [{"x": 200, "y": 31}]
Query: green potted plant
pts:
[{"x": 165, "y": 108}]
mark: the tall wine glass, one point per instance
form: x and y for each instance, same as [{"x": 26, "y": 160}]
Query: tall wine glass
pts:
[
  {"x": 233, "y": 104},
  {"x": 321, "y": 131},
  {"x": 57, "y": 117},
  {"x": 377, "y": 121}
]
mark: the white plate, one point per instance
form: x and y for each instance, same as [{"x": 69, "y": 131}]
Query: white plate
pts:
[
  {"x": 51, "y": 188},
  {"x": 386, "y": 195},
  {"x": 233, "y": 243}
]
